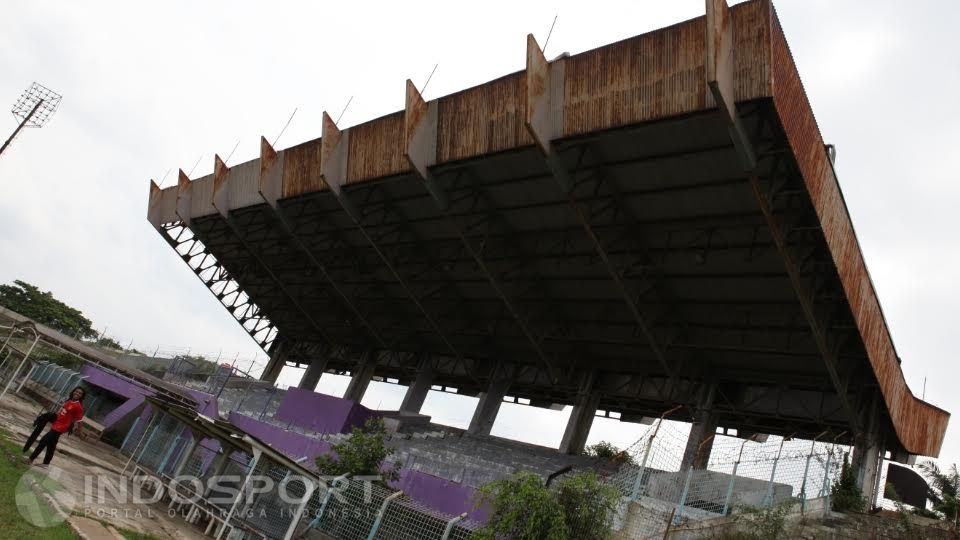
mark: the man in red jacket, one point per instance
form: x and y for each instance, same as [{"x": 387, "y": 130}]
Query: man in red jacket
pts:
[{"x": 69, "y": 414}]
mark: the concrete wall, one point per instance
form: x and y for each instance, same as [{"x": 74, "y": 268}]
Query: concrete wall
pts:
[{"x": 443, "y": 495}]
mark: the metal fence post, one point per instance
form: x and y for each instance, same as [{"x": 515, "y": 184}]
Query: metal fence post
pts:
[
  {"x": 451, "y": 524},
  {"x": 129, "y": 433},
  {"x": 246, "y": 480},
  {"x": 635, "y": 495},
  {"x": 308, "y": 494},
  {"x": 683, "y": 496},
  {"x": 826, "y": 488},
  {"x": 326, "y": 499},
  {"x": 381, "y": 513},
  {"x": 167, "y": 454},
  {"x": 806, "y": 470},
  {"x": 773, "y": 473},
  {"x": 20, "y": 366},
  {"x": 153, "y": 420},
  {"x": 33, "y": 368},
  {"x": 733, "y": 477}
]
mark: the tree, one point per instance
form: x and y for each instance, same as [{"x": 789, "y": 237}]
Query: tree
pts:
[
  {"x": 361, "y": 454},
  {"x": 588, "y": 505},
  {"x": 29, "y": 301},
  {"x": 109, "y": 343},
  {"x": 845, "y": 496},
  {"x": 943, "y": 489},
  {"x": 607, "y": 451},
  {"x": 522, "y": 507}
]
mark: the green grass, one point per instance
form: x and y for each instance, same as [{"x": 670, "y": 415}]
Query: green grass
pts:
[
  {"x": 12, "y": 522},
  {"x": 134, "y": 535}
]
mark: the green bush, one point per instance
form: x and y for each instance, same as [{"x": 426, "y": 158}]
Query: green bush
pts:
[
  {"x": 523, "y": 508},
  {"x": 765, "y": 523},
  {"x": 845, "y": 495},
  {"x": 607, "y": 451},
  {"x": 362, "y": 454}
]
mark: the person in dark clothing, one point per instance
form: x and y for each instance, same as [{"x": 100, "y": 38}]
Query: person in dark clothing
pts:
[{"x": 65, "y": 419}]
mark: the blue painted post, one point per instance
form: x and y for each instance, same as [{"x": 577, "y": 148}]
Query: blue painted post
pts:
[
  {"x": 773, "y": 473},
  {"x": 733, "y": 477},
  {"x": 381, "y": 513},
  {"x": 326, "y": 499},
  {"x": 635, "y": 495},
  {"x": 129, "y": 433},
  {"x": 167, "y": 454},
  {"x": 451, "y": 524},
  {"x": 683, "y": 496}
]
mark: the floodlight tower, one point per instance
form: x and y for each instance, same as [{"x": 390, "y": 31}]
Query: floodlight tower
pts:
[{"x": 35, "y": 106}]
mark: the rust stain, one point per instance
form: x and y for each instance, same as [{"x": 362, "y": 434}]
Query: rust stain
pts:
[
  {"x": 376, "y": 149},
  {"x": 301, "y": 169},
  {"x": 655, "y": 75},
  {"x": 919, "y": 425},
  {"x": 482, "y": 120}
]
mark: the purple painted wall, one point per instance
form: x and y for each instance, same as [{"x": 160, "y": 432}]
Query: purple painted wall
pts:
[
  {"x": 438, "y": 493},
  {"x": 320, "y": 412},
  {"x": 206, "y": 403},
  {"x": 292, "y": 444},
  {"x": 135, "y": 393}
]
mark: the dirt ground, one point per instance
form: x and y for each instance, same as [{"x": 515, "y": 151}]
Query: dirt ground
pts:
[{"x": 86, "y": 470}]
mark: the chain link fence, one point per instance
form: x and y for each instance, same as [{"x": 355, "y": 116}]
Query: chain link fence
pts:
[{"x": 659, "y": 491}]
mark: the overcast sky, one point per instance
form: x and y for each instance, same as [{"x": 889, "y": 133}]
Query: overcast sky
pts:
[{"x": 150, "y": 88}]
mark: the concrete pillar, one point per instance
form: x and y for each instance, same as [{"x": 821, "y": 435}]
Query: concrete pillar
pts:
[
  {"x": 360, "y": 379},
  {"x": 417, "y": 391},
  {"x": 867, "y": 453},
  {"x": 278, "y": 359},
  {"x": 581, "y": 418},
  {"x": 311, "y": 377},
  {"x": 486, "y": 412},
  {"x": 700, "y": 441}
]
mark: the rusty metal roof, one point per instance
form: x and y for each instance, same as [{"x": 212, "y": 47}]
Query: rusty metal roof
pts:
[{"x": 660, "y": 210}]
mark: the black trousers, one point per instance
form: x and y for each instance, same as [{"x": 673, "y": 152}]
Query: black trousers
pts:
[
  {"x": 33, "y": 437},
  {"x": 48, "y": 442}
]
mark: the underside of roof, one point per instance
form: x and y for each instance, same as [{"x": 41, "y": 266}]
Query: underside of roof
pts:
[{"x": 654, "y": 216}]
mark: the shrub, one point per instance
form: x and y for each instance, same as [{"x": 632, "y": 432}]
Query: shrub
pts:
[
  {"x": 522, "y": 507},
  {"x": 362, "y": 454},
  {"x": 845, "y": 496},
  {"x": 767, "y": 522},
  {"x": 609, "y": 452}
]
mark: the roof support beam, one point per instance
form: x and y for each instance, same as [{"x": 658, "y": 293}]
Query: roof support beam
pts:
[
  {"x": 420, "y": 119},
  {"x": 333, "y": 170},
  {"x": 221, "y": 180},
  {"x": 544, "y": 118},
  {"x": 214, "y": 276},
  {"x": 719, "y": 71},
  {"x": 184, "y": 196}
]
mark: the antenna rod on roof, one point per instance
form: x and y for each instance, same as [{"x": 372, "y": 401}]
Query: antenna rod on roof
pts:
[
  {"x": 550, "y": 33},
  {"x": 424, "y": 89},
  {"x": 344, "y": 110},
  {"x": 191, "y": 174},
  {"x": 231, "y": 152},
  {"x": 285, "y": 126}
]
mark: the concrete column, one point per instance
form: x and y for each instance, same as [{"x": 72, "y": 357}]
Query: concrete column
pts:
[
  {"x": 417, "y": 391},
  {"x": 697, "y": 451},
  {"x": 867, "y": 452},
  {"x": 361, "y": 377},
  {"x": 278, "y": 358},
  {"x": 486, "y": 412},
  {"x": 581, "y": 418},
  {"x": 311, "y": 377}
]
